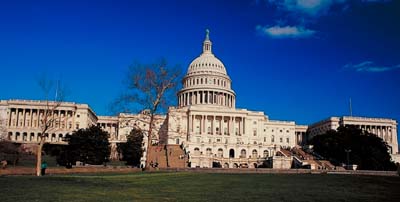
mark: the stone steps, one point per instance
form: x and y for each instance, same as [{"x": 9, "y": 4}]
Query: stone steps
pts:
[{"x": 166, "y": 156}]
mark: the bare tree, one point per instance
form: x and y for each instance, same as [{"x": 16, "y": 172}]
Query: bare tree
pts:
[
  {"x": 3, "y": 123},
  {"x": 47, "y": 118},
  {"x": 150, "y": 90}
]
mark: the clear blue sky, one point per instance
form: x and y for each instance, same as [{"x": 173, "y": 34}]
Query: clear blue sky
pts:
[{"x": 294, "y": 60}]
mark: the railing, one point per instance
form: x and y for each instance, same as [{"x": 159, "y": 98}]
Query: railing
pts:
[
  {"x": 367, "y": 118},
  {"x": 37, "y": 101}
]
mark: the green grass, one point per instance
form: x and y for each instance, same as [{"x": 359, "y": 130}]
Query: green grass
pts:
[{"x": 199, "y": 187}]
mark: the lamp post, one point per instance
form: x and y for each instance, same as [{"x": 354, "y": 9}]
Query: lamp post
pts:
[{"x": 348, "y": 156}]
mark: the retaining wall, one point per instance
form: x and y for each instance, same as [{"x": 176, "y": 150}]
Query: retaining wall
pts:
[{"x": 120, "y": 169}]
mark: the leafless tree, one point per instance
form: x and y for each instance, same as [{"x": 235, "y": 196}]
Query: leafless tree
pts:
[
  {"x": 47, "y": 118},
  {"x": 3, "y": 131},
  {"x": 151, "y": 88}
]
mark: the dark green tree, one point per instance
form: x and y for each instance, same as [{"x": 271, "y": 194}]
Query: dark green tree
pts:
[
  {"x": 89, "y": 146},
  {"x": 132, "y": 150},
  {"x": 9, "y": 151},
  {"x": 367, "y": 150}
]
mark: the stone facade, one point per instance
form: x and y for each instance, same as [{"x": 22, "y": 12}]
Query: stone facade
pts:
[
  {"x": 20, "y": 123},
  {"x": 383, "y": 128},
  {"x": 211, "y": 129},
  {"x": 22, "y": 119},
  {"x": 205, "y": 123}
]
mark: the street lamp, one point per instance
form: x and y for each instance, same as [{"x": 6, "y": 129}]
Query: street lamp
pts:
[{"x": 348, "y": 156}]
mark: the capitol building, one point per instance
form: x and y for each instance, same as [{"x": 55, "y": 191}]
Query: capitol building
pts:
[{"x": 205, "y": 123}]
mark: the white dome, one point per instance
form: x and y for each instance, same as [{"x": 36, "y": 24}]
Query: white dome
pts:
[
  {"x": 206, "y": 82},
  {"x": 206, "y": 62}
]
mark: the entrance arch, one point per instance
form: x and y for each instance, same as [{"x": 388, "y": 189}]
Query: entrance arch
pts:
[{"x": 231, "y": 153}]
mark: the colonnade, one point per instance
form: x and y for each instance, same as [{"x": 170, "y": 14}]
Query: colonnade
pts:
[
  {"x": 300, "y": 137},
  {"x": 207, "y": 80},
  {"x": 384, "y": 132},
  {"x": 216, "y": 125},
  {"x": 206, "y": 97},
  {"x": 111, "y": 128},
  {"x": 35, "y": 137},
  {"x": 31, "y": 118}
]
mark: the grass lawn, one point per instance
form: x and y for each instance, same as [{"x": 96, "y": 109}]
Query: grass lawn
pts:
[{"x": 199, "y": 187}]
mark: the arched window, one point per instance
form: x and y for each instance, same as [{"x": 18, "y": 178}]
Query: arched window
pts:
[
  {"x": 220, "y": 152},
  {"x": 231, "y": 153},
  {"x": 265, "y": 154},
  {"x": 24, "y": 136},
  {"x": 243, "y": 153},
  {"x": 17, "y": 136},
  {"x": 254, "y": 153},
  {"x": 272, "y": 138},
  {"x": 208, "y": 151},
  {"x": 196, "y": 151}
]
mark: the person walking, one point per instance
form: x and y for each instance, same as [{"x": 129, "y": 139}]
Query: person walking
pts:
[{"x": 44, "y": 166}]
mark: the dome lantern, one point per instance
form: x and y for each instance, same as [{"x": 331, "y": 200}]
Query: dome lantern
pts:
[{"x": 207, "y": 43}]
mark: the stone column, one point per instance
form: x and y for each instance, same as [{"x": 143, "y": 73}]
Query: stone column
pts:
[
  {"x": 9, "y": 117},
  {"x": 24, "y": 119},
  {"x": 17, "y": 117},
  {"x": 214, "y": 131},
  {"x": 230, "y": 126},
  {"x": 204, "y": 124},
  {"x": 190, "y": 130},
  {"x": 244, "y": 126},
  {"x": 31, "y": 122},
  {"x": 59, "y": 119},
  {"x": 221, "y": 125},
  {"x": 233, "y": 125},
  {"x": 385, "y": 133},
  {"x": 240, "y": 126}
]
